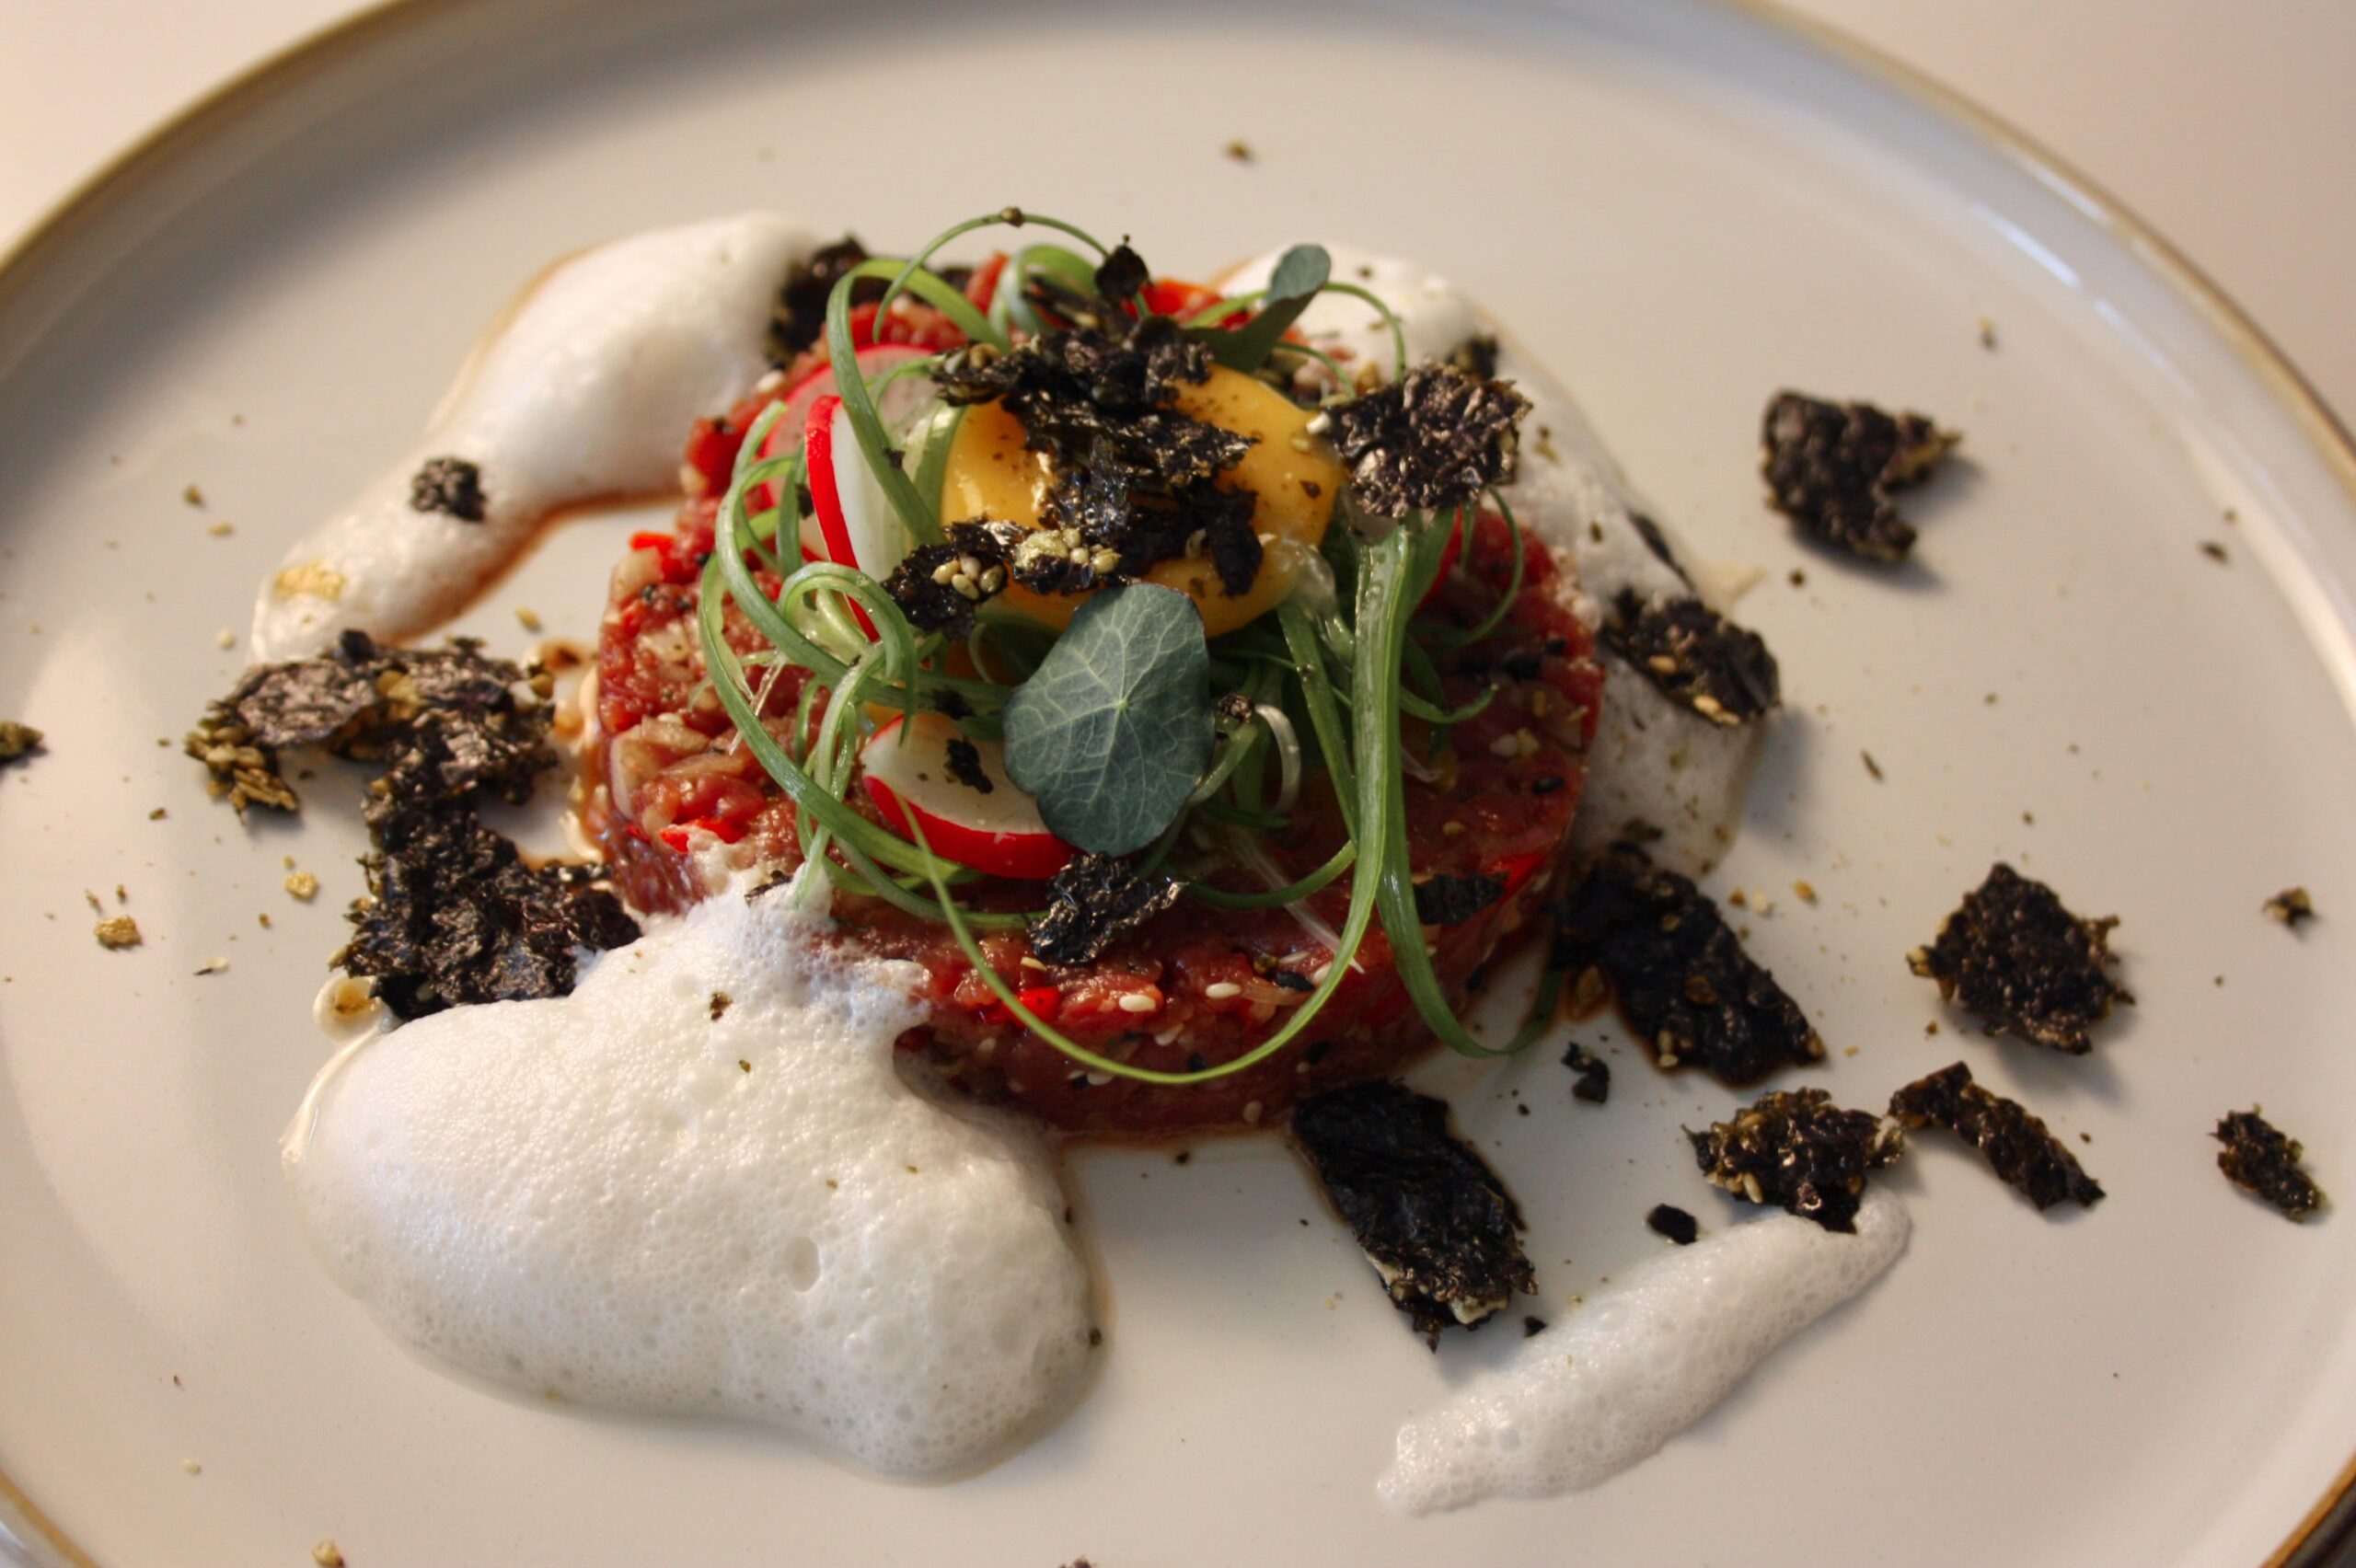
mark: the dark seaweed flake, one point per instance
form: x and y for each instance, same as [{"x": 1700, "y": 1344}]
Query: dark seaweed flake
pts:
[
  {"x": 1476, "y": 356},
  {"x": 1229, "y": 540},
  {"x": 1594, "y": 1081},
  {"x": 2015, "y": 1143},
  {"x": 1531, "y": 1327},
  {"x": 448, "y": 485},
  {"x": 2014, "y": 958},
  {"x": 1435, "y": 1221},
  {"x": 375, "y": 703},
  {"x": 1668, "y": 1220},
  {"x": 2259, "y": 1159},
  {"x": 1798, "y": 1151},
  {"x": 1431, "y": 441},
  {"x": 966, "y": 765},
  {"x": 1094, "y": 900},
  {"x": 1444, "y": 900},
  {"x": 1831, "y": 468},
  {"x": 938, "y": 586},
  {"x": 453, "y": 914},
  {"x": 801, "y": 316},
  {"x": 1694, "y": 655},
  {"x": 1689, "y": 990},
  {"x": 1133, "y": 480},
  {"x": 1123, "y": 273},
  {"x": 2293, "y": 907}
]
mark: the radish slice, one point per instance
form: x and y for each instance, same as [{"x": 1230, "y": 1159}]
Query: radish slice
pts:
[
  {"x": 861, "y": 528},
  {"x": 900, "y": 400},
  {"x": 856, "y": 521},
  {"x": 997, "y": 832}
]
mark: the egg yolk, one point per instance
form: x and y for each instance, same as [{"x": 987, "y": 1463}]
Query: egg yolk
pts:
[{"x": 1292, "y": 478}]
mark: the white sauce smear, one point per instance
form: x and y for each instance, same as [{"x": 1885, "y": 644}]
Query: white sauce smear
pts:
[
  {"x": 1639, "y": 1362},
  {"x": 1654, "y": 761},
  {"x": 584, "y": 389},
  {"x": 618, "y": 1198}
]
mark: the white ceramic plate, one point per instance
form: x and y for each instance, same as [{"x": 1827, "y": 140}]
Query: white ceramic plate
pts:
[{"x": 1683, "y": 207}]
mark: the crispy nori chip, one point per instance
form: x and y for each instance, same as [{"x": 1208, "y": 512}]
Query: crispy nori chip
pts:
[
  {"x": 801, "y": 316},
  {"x": 450, "y": 485},
  {"x": 1444, "y": 900},
  {"x": 1476, "y": 356},
  {"x": 966, "y": 765},
  {"x": 1429, "y": 1214},
  {"x": 933, "y": 585},
  {"x": 2259, "y": 1159},
  {"x": 17, "y": 740},
  {"x": 1123, "y": 273},
  {"x": 1795, "y": 1149},
  {"x": 1594, "y": 1082},
  {"x": 1831, "y": 468},
  {"x": 2023, "y": 964},
  {"x": 1432, "y": 441},
  {"x": 1234, "y": 549},
  {"x": 453, "y": 914},
  {"x": 364, "y": 700},
  {"x": 2014, "y": 1143},
  {"x": 1668, "y": 1220},
  {"x": 1095, "y": 899},
  {"x": 1134, "y": 478},
  {"x": 1083, "y": 378},
  {"x": 1689, "y": 990},
  {"x": 2293, "y": 907},
  {"x": 1694, "y": 655}
]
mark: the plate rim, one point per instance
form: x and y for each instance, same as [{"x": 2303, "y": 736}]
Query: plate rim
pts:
[{"x": 2330, "y": 1523}]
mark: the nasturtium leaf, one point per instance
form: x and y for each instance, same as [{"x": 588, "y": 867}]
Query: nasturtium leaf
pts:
[
  {"x": 1294, "y": 281},
  {"x": 1112, "y": 731}
]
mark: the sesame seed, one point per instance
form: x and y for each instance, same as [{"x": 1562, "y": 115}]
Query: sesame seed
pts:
[
  {"x": 1452, "y": 829},
  {"x": 1139, "y": 1002},
  {"x": 1219, "y": 991},
  {"x": 1252, "y": 1113},
  {"x": 1506, "y": 745}
]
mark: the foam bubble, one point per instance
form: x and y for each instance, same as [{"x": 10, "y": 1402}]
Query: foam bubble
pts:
[
  {"x": 623, "y": 1199},
  {"x": 1639, "y": 1362},
  {"x": 584, "y": 388}
]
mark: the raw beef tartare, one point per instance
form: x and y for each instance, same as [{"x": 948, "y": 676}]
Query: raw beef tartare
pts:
[{"x": 1099, "y": 458}]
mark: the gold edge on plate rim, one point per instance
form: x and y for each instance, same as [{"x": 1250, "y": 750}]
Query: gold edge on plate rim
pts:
[{"x": 2331, "y": 1522}]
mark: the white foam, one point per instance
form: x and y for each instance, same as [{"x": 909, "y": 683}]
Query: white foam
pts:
[
  {"x": 617, "y": 1198},
  {"x": 1654, "y": 761},
  {"x": 1638, "y": 1362},
  {"x": 585, "y": 388}
]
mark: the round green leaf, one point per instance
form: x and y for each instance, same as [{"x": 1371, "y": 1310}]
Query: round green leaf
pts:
[{"x": 1112, "y": 731}]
